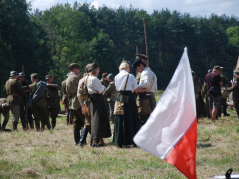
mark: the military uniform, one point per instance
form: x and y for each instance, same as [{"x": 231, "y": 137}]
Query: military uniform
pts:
[
  {"x": 52, "y": 102},
  {"x": 111, "y": 94},
  {"x": 5, "y": 114},
  {"x": 74, "y": 104},
  {"x": 69, "y": 115},
  {"x": 14, "y": 100},
  {"x": 226, "y": 84},
  {"x": 39, "y": 109}
]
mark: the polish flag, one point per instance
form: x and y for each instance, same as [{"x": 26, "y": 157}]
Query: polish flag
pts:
[{"x": 171, "y": 130}]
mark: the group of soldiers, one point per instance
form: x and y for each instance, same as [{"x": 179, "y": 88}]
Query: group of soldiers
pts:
[
  {"x": 37, "y": 101},
  {"x": 201, "y": 94}
]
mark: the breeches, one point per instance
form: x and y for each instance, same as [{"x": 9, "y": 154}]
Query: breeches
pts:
[
  {"x": 16, "y": 109},
  {"x": 78, "y": 120}
]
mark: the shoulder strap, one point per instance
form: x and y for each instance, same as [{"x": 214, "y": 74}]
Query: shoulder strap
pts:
[
  {"x": 126, "y": 82},
  {"x": 209, "y": 80}
]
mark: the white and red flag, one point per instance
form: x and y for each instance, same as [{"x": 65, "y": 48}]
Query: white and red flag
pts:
[{"x": 171, "y": 130}]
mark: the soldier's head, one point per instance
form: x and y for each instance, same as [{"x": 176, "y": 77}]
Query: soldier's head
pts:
[
  {"x": 236, "y": 72},
  {"x": 49, "y": 78},
  {"x": 104, "y": 76},
  {"x": 5, "y": 107},
  {"x": 21, "y": 77},
  {"x": 74, "y": 67},
  {"x": 14, "y": 74},
  {"x": 216, "y": 69},
  {"x": 94, "y": 69},
  {"x": 143, "y": 57},
  {"x": 34, "y": 77},
  {"x": 110, "y": 77},
  {"x": 124, "y": 66},
  {"x": 221, "y": 70},
  {"x": 139, "y": 65}
]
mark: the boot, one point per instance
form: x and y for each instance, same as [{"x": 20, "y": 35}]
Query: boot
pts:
[
  {"x": 53, "y": 123},
  {"x": 4, "y": 124},
  {"x": 76, "y": 137},
  {"x": 14, "y": 125},
  {"x": 83, "y": 136}
]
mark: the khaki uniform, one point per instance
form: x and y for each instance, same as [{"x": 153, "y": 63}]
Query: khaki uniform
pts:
[
  {"x": 226, "y": 83},
  {"x": 39, "y": 109},
  {"x": 69, "y": 115},
  {"x": 235, "y": 90},
  {"x": 111, "y": 94},
  {"x": 104, "y": 82},
  {"x": 14, "y": 101},
  {"x": 4, "y": 113},
  {"x": 74, "y": 104},
  {"x": 52, "y": 102}
]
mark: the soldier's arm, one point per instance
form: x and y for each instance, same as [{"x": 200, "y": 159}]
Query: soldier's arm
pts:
[
  {"x": 19, "y": 88},
  {"x": 109, "y": 89}
]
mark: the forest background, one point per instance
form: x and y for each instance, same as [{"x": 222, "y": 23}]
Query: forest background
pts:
[{"x": 48, "y": 41}]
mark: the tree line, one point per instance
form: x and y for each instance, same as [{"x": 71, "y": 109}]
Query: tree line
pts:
[{"x": 48, "y": 41}]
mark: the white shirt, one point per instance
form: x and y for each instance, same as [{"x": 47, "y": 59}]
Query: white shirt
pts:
[
  {"x": 120, "y": 81},
  {"x": 94, "y": 85},
  {"x": 148, "y": 80}
]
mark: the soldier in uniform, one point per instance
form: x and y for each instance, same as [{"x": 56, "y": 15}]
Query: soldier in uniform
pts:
[
  {"x": 52, "y": 99},
  {"x": 111, "y": 94},
  {"x": 14, "y": 100},
  {"x": 235, "y": 90},
  {"x": 69, "y": 116},
  {"x": 148, "y": 80},
  {"x": 38, "y": 102},
  {"x": 226, "y": 83},
  {"x": 4, "y": 109},
  {"x": 25, "y": 117},
  {"x": 74, "y": 104},
  {"x": 104, "y": 80}
]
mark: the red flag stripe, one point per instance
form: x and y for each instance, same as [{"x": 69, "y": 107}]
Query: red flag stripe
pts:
[{"x": 183, "y": 156}]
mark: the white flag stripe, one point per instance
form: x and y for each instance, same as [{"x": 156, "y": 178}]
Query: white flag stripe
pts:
[{"x": 173, "y": 115}]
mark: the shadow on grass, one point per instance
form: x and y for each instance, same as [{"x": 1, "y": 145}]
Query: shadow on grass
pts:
[{"x": 202, "y": 146}]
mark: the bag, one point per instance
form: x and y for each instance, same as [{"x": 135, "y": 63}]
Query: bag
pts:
[
  {"x": 124, "y": 98},
  {"x": 144, "y": 107},
  {"x": 64, "y": 101},
  {"x": 213, "y": 90},
  {"x": 86, "y": 108},
  {"x": 83, "y": 91},
  {"x": 225, "y": 93},
  {"x": 119, "y": 108}
]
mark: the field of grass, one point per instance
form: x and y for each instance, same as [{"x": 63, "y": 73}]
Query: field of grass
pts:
[{"x": 52, "y": 154}]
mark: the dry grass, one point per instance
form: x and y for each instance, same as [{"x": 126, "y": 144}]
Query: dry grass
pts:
[{"x": 52, "y": 154}]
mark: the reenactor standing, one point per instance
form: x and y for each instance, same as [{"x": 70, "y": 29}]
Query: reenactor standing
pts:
[
  {"x": 226, "y": 83},
  {"x": 4, "y": 109},
  {"x": 111, "y": 94},
  {"x": 148, "y": 80},
  {"x": 104, "y": 80},
  {"x": 74, "y": 104},
  {"x": 52, "y": 99},
  {"x": 69, "y": 116},
  {"x": 14, "y": 100},
  {"x": 24, "y": 112},
  {"x": 38, "y": 93}
]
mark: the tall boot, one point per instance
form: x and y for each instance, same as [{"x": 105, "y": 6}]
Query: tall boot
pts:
[
  {"x": 53, "y": 123},
  {"x": 37, "y": 124},
  {"x": 237, "y": 110},
  {"x": 83, "y": 136},
  {"x": 14, "y": 125},
  {"x": 4, "y": 124},
  {"x": 77, "y": 137}
]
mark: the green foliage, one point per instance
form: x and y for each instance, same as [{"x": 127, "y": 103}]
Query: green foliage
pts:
[{"x": 233, "y": 34}]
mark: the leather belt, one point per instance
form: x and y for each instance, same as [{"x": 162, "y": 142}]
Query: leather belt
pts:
[{"x": 11, "y": 94}]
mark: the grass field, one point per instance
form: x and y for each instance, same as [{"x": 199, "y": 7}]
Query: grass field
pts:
[{"x": 52, "y": 154}]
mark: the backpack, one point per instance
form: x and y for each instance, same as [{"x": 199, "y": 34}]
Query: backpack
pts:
[{"x": 83, "y": 91}]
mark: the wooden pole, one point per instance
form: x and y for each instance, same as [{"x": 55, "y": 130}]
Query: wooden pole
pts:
[
  {"x": 137, "y": 50},
  {"x": 146, "y": 42},
  {"x": 22, "y": 68}
]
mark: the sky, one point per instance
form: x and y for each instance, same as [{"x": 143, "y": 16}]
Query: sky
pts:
[{"x": 193, "y": 7}]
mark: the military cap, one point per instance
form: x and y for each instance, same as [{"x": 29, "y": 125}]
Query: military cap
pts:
[
  {"x": 236, "y": 72},
  {"x": 34, "y": 75},
  {"x": 104, "y": 75},
  {"x": 93, "y": 66},
  {"x": 21, "y": 74},
  {"x": 141, "y": 56},
  {"x": 193, "y": 72},
  {"x": 74, "y": 65},
  {"x": 137, "y": 63},
  {"x": 49, "y": 76},
  {"x": 13, "y": 73},
  {"x": 5, "y": 107},
  {"x": 111, "y": 76},
  {"x": 221, "y": 67},
  {"x": 209, "y": 71}
]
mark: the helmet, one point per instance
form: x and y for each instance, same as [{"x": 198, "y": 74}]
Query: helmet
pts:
[
  {"x": 21, "y": 74},
  {"x": 5, "y": 107},
  {"x": 13, "y": 73}
]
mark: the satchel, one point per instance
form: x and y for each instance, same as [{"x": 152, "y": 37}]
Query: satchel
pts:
[
  {"x": 144, "y": 107},
  {"x": 86, "y": 108},
  {"x": 124, "y": 98},
  {"x": 119, "y": 108},
  {"x": 225, "y": 93}
]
